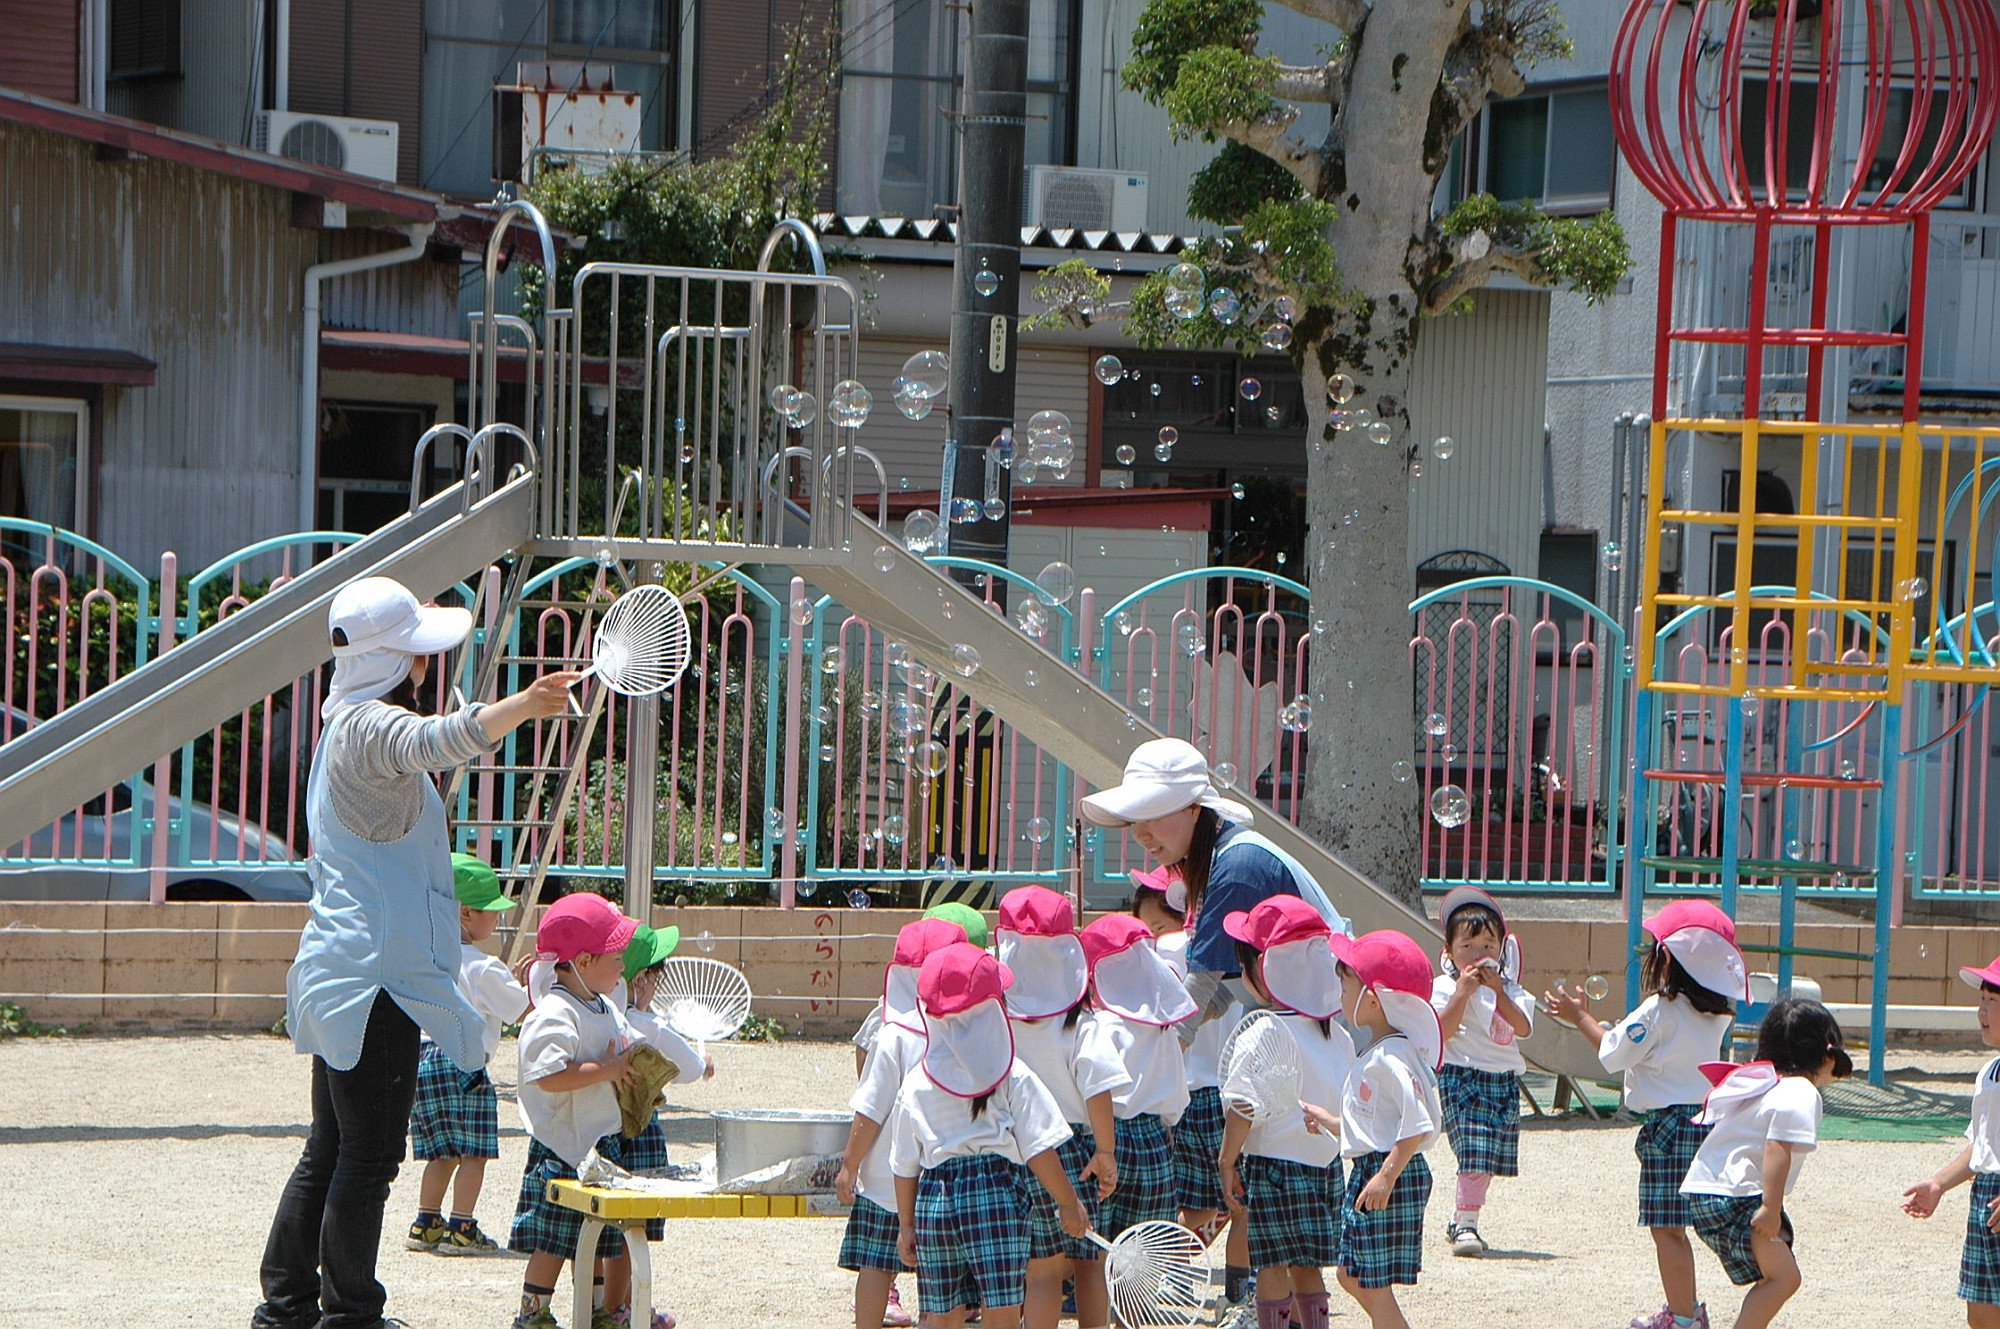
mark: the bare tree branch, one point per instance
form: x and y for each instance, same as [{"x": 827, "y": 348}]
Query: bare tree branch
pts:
[
  {"x": 1267, "y": 135},
  {"x": 1475, "y": 257},
  {"x": 1347, "y": 15},
  {"x": 1306, "y": 83},
  {"x": 1479, "y": 67}
]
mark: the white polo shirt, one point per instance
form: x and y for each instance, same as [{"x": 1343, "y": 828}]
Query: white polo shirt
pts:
[
  {"x": 894, "y": 1056},
  {"x": 1390, "y": 1096},
  {"x": 1324, "y": 1063},
  {"x": 1731, "y": 1160},
  {"x": 1660, "y": 1048},
  {"x": 1075, "y": 1064},
  {"x": 1484, "y": 1041},
  {"x": 1984, "y": 1128},
  {"x": 562, "y": 1030},
  {"x": 1157, "y": 1065},
  {"x": 930, "y": 1126},
  {"x": 489, "y": 985}
]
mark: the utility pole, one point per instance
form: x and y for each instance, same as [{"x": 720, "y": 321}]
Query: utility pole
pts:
[{"x": 986, "y": 268}]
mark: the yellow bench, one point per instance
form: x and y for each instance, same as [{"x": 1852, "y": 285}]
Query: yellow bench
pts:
[{"x": 629, "y": 1211}]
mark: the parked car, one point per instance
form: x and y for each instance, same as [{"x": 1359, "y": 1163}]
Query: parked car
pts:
[{"x": 107, "y": 869}]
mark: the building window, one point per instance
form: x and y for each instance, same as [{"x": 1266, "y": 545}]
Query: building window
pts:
[
  {"x": 607, "y": 27},
  {"x": 44, "y": 452},
  {"x": 1802, "y": 115},
  {"x": 901, "y": 66},
  {"x": 365, "y": 451},
  {"x": 1553, "y": 149}
]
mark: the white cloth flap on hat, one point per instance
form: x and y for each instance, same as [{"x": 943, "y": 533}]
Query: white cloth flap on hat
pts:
[
  {"x": 1050, "y": 974},
  {"x": 899, "y": 998},
  {"x": 1303, "y": 976},
  {"x": 364, "y": 677},
  {"x": 1712, "y": 961},
  {"x": 969, "y": 1053},
  {"x": 1140, "y": 985},
  {"x": 1415, "y": 1018}
]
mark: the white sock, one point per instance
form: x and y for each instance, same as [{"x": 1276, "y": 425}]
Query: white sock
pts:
[{"x": 1465, "y": 1218}]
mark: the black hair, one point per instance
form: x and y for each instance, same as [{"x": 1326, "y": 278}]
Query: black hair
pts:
[
  {"x": 979, "y": 1104},
  {"x": 1472, "y": 920},
  {"x": 409, "y": 694},
  {"x": 1797, "y": 1037},
  {"x": 1246, "y": 955},
  {"x": 1200, "y": 856},
  {"x": 1665, "y": 977},
  {"x": 1075, "y": 1013},
  {"x": 1988, "y": 985},
  {"x": 1142, "y": 894}
]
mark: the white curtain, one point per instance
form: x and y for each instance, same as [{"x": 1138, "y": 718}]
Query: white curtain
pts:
[{"x": 870, "y": 49}]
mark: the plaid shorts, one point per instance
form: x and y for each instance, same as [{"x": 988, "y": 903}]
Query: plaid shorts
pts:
[
  {"x": 542, "y": 1225},
  {"x": 870, "y": 1239},
  {"x": 1723, "y": 1222},
  {"x": 1666, "y": 1147},
  {"x": 1482, "y": 1115},
  {"x": 457, "y": 1114},
  {"x": 972, "y": 1233},
  {"x": 646, "y": 1150},
  {"x": 1294, "y": 1212},
  {"x": 1145, "y": 1176},
  {"x": 1384, "y": 1246},
  {"x": 1979, "y": 1265},
  {"x": 1046, "y": 1239},
  {"x": 1197, "y": 1140}
]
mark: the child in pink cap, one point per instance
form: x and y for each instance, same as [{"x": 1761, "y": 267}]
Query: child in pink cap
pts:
[
  {"x": 970, "y": 1126},
  {"x": 575, "y": 1048},
  {"x": 1979, "y": 1163},
  {"x": 1693, "y": 978},
  {"x": 1389, "y": 1112}
]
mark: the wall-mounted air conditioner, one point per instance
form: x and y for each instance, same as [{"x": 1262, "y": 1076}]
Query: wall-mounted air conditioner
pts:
[
  {"x": 1090, "y": 200},
  {"x": 562, "y": 113},
  {"x": 365, "y": 147}
]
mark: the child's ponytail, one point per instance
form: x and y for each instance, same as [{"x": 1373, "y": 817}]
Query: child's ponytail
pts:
[
  {"x": 1666, "y": 978},
  {"x": 979, "y": 1104}
]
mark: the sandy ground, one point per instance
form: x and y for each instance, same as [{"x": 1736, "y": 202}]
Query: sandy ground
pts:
[{"x": 137, "y": 1177}]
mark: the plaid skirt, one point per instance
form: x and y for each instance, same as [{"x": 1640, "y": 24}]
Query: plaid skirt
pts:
[
  {"x": 1723, "y": 1222},
  {"x": 1046, "y": 1239},
  {"x": 972, "y": 1233},
  {"x": 1385, "y": 1246},
  {"x": 542, "y": 1225},
  {"x": 870, "y": 1239},
  {"x": 647, "y": 1149},
  {"x": 1979, "y": 1264},
  {"x": 1197, "y": 1140},
  {"x": 1482, "y": 1116},
  {"x": 1294, "y": 1212},
  {"x": 1666, "y": 1147},
  {"x": 456, "y": 1114},
  {"x": 1145, "y": 1176}
]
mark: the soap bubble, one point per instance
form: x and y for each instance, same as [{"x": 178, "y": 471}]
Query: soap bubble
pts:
[
  {"x": 1277, "y": 337},
  {"x": 1109, "y": 369},
  {"x": 920, "y": 530},
  {"x": 802, "y": 612},
  {"x": 831, "y": 656},
  {"x": 1056, "y": 583},
  {"x": 931, "y": 757},
  {"x": 1286, "y": 308},
  {"x": 965, "y": 511},
  {"x": 1163, "y": 452},
  {"x": 1443, "y": 446},
  {"x": 1297, "y": 715},
  {"x": 1251, "y": 389},
  {"x": 1183, "y": 303},
  {"x": 805, "y": 409},
  {"x": 1031, "y": 618},
  {"x": 1379, "y": 433},
  {"x": 1225, "y": 305},
  {"x": 986, "y": 281},
  {"x": 1225, "y": 773},
  {"x": 849, "y": 403},
  {"x": 1434, "y": 724},
  {"x": 1912, "y": 589},
  {"x": 1402, "y": 772},
  {"x": 885, "y": 559},
  {"x": 1153, "y": 389},
  {"x": 1032, "y": 678},
  {"x": 1169, "y": 435},
  {"x": 1186, "y": 276},
  {"x": 859, "y": 899},
  {"x": 893, "y": 828},
  {"x": 1046, "y": 429},
  {"x": 1040, "y": 830},
  {"x": 1125, "y": 453},
  {"x": 1002, "y": 448},
  {"x": 1416, "y": 470},
  {"x": 1341, "y": 389},
  {"x": 1236, "y": 490},
  {"x": 1274, "y": 413},
  {"x": 1143, "y": 698},
  {"x": 780, "y": 397},
  {"x": 705, "y": 943},
  {"x": 1450, "y": 807},
  {"x": 928, "y": 372},
  {"x": 965, "y": 659},
  {"x": 913, "y": 405},
  {"x": 1597, "y": 987},
  {"x": 1613, "y": 555}
]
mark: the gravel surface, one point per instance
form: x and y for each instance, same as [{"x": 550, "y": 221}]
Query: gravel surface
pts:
[{"x": 138, "y": 1175}]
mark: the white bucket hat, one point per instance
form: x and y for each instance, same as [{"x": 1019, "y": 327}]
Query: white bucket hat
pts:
[
  {"x": 1162, "y": 776},
  {"x": 377, "y": 629}
]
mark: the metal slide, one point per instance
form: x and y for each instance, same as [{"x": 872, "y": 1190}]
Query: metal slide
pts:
[{"x": 205, "y": 680}]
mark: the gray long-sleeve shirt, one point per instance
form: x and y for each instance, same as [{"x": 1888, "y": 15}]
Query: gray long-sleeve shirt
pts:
[{"x": 377, "y": 756}]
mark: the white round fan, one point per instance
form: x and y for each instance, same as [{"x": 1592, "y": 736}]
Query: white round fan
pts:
[
  {"x": 1261, "y": 1077},
  {"x": 1158, "y": 1274},
  {"x": 641, "y": 643},
  {"x": 702, "y": 1000}
]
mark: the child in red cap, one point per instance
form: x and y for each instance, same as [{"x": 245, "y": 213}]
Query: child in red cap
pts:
[
  {"x": 1281, "y": 1171},
  {"x": 968, "y": 1129},
  {"x": 1979, "y": 1163},
  {"x": 1693, "y": 978},
  {"x": 1389, "y": 1112},
  {"x": 575, "y": 1048}
]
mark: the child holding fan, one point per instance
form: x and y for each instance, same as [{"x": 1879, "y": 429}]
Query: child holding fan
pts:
[
  {"x": 1074, "y": 1052},
  {"x": 1761, "y": 1118},
  {"x": 1979, "y": 1163},
  {"x": 1389, "y": 1112},
  {"x": 1483, "y": 1011},
  {"x": 1284, "y": 1168},
  {"x": 1144, "y": 999},
  {"x": 1693, "y": 977},
  {"x": 967, "y": 1130}
]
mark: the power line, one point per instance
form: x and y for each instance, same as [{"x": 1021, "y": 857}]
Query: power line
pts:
[{"x": 480, "y": 103}]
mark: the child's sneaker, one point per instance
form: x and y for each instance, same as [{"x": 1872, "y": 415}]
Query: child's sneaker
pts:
[
  {"x": 424, "y": 1236},
  {"x": 466, "y": 1240},
  {"x": 1465, "y": 1240},
  {"x": 622, "y": 1318},
  {"x": 1664, "y": 1319},
  {"x": 893, "y": 1315},
  {"x": 541, "y": 1319}
]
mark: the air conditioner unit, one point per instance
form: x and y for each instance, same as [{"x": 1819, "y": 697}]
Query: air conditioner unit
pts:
[
  {"x": 1073, "y": 196},
  {"x": 365, "y": 147}
]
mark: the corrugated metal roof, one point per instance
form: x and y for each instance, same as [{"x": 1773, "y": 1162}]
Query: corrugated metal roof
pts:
[{"x": 940, "y": 231}]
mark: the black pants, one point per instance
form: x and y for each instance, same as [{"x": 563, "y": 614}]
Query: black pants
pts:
[{"x": 320, "y": 1257}]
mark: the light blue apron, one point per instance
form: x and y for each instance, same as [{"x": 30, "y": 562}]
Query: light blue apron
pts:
[{"x": 384, "y": 919}]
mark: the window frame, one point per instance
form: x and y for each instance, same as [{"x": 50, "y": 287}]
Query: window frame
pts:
[
  {"x": 1965, "y": 198},
  {"x": 81, "y": 408},
  {"x": 1476, "y": 164}
]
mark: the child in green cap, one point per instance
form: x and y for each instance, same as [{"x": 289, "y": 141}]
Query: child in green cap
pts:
[{"x": 455, "y": 1124}]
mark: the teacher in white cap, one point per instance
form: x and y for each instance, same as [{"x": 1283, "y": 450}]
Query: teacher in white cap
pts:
[{"x": 378, "y": 959}]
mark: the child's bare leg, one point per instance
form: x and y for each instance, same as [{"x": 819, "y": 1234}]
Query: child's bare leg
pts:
[
  {"x": 1093, "y": 1298},
  {"x": 617, "y": 1272},
  {"x": 465, "y": 1186},
  {"x": 1002, "y": 1317},
  {"x": 1982, "y": 1315},
  {"x": 1307, "y": 1280},
  {"x": 1676, "y": 1256},
  {"x": 1274, "y": 1284},
  {"x": 1378, "y": 1303},
  {"x": 871, "y": 1297},
  {"x": 1236, "y": 1244},
  {"x": 436, "y": 1180},
  {"x": 538, "y": 1280},
  {"x": 1044, "y": 1304},
  {"x": 1780, "y": 1281},
  {"x": 951, "y": 1319}
]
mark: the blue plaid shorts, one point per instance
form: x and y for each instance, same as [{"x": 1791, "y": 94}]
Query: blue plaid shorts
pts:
[
  {"x": 1295, "y": 1211},
  {"x": 972, "y": 1233},
  {"x": 1482, "y": 1116},
  {"x": 1197, "y": 1140},
  {"x": 1385, "y": 1246},
  {"x": 870, "y": 1239},
  {"x": 1145, "y": 1176},
  {"x": 542, "y": 1225},
  {"x": 1979, "y": 1265},
  {"x": 1046, "y": 1239},
  {"x": 1723, "y": 1222},
  {"x": 457, "y": 1114},
  {"x": 1666, "y": 1147}
]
